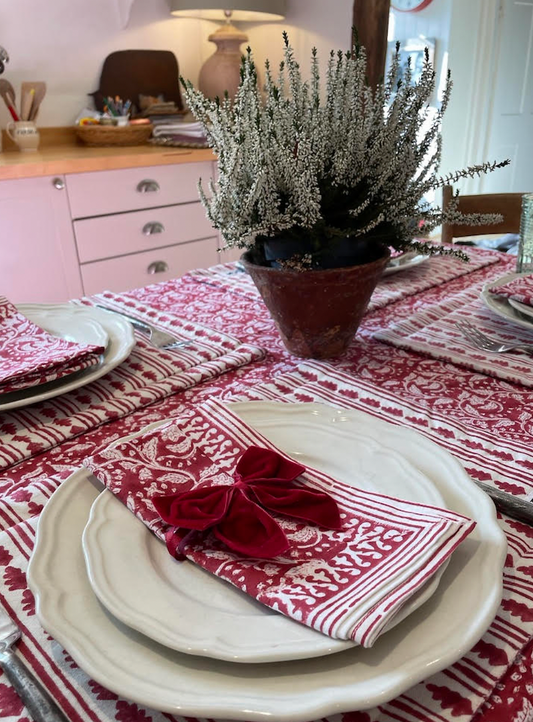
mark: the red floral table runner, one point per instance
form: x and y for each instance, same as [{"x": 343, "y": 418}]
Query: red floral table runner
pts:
[
  {"x": 484, "y": 421},
  {"x": 433, "y": 272},
  {"x": 30, "y": 356},
  {"x": 433, "y": 332}
]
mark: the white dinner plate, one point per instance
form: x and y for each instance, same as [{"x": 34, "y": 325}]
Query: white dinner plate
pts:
[
  {"x": 183, "y": 607},
  {"x": 405, "y": 261},
  {"x": 136, "y": 667},
  {"x": 502, "y": 305},
  {"x": 67, "y": 322},
  {"x": 522, "y": 308},
  {"x": 65, "y": 319}
]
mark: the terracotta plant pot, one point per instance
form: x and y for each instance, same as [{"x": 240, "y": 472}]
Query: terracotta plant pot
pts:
[{"x": 317, "y": 312}]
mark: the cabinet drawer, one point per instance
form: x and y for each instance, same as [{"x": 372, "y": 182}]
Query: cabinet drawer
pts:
[
  {"x": 140, "y": 269},
  {"x": 118, "y": 235},
  {"x": 130, "y": 189}
]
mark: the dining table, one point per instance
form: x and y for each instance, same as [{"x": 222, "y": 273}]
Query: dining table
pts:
[{"x": 408, "y": 366}]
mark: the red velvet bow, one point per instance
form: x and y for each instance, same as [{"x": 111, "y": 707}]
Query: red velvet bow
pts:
[{"x": 236, "y": 513}]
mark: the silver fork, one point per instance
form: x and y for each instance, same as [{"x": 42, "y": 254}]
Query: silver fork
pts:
[
  {"x": 158, "y": 338},
  {"x": 485, "y": 343}
]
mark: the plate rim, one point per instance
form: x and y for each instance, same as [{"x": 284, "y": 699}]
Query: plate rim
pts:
[
  {"x": 102, "y": 576},
  {"x": 521, "y": 307},
  {"x": 416, "y": 260},
  {"x": 290, "y": 704},
  {"x": 61, "y": 386}
]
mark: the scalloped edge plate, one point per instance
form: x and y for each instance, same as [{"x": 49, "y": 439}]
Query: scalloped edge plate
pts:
[
  {"x": 185, "y": 608},
  {"x": 135, "y": 667}
]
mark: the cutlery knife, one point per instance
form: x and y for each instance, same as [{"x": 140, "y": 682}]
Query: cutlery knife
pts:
[
  {"x": 135, "y": 322},
  {"x": 38, "y": 702},
  {"x": 508, "y": 504}
]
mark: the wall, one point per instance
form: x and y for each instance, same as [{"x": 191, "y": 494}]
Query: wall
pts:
[{"x": 65, "y": 42}]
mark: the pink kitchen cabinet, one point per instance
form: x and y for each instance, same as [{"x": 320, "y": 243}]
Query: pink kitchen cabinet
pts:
[
  {"x": 124, "y": 233},
  {"x": 141, "y": 269},
  {"x": 137, "y": 226},
  {"x": 38, "y": 260},
  {"x": 81, "y": 233}
]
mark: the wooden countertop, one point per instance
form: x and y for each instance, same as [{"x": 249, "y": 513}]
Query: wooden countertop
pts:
[{"x": 60, "y": 152}]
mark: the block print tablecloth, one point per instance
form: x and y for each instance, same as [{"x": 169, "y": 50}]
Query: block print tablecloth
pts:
[{"x": 485, "y": 421}]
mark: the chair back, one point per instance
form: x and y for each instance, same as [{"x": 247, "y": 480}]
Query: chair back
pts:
[{"x": 509, "y": 205}]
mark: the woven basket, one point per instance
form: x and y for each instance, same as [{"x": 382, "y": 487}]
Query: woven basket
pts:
[{"x": 114, "y": 135}]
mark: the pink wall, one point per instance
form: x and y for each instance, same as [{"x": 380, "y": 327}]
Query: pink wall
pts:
[{"x": 64, "y": 42}]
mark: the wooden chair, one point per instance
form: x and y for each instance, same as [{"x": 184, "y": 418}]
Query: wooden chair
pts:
[{"x": 509, "y": 205}]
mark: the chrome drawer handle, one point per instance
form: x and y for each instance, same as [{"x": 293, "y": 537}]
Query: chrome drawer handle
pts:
[
  {"x": 148, "y": 186},
  {"x": 58, "y": 183},
  {"x": 157, "y": 267},
  {"x": 153, "y": 227}
]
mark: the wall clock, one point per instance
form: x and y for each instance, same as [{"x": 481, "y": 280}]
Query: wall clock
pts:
[{"x": 410, "y": 6}]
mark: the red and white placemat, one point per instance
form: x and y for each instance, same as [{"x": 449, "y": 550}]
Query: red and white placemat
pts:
[
  {"x": 147, "y": 375},
  {"x": 433, "y": 332},
  {"x": 394, "y": 546},
  {"x": 30, "y": 356},
  {"x": 434, "y": 272}
]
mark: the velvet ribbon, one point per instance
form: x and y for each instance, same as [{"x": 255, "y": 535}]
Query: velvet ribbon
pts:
[{"x": 238, "y": 513}]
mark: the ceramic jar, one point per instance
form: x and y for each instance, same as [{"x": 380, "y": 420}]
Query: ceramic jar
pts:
[{"x": 24, "y": 133}]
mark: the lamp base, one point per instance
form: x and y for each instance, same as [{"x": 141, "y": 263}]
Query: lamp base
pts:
[{"x": 221, "y": 71}]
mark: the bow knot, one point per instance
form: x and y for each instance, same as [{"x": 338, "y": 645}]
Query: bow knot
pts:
[{"x": 237, "y": 513}]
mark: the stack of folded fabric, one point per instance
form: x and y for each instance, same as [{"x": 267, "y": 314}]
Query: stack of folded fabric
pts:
[
  {"x": 30, "y": 356},
  {"x": 332, "y": 556},
  {"x": 178, "y": 132}
]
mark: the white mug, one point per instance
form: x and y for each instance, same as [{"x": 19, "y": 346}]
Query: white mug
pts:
[{"x": 24, "y": 133}]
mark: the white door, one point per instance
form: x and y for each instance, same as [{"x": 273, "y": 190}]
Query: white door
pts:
[{"x": 510, "y": 127}]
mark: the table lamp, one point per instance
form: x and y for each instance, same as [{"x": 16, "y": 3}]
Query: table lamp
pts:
[{"x": 220, "y": 72}]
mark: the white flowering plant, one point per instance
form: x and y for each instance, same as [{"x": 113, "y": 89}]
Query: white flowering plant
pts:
[{"x": 313, "y": 168}]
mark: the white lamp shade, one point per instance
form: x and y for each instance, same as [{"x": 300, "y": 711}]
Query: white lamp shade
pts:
[{"x": 241, "y": 10}]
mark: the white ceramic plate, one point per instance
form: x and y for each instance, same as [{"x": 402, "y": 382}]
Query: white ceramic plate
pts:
[
  {"x": 70, "y": 322},
  {"x": 403, "y": 262},
  {"x": 185, "y": 608},
  {"x": 503, "y": 306},
  {"x": 65, "y": 318},
  {"x": 521, "y": 308},
  {"x": 137, "y": 668}
]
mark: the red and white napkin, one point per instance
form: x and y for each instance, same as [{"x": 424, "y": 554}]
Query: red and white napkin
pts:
[
  {"x": 30, "y": 356},
  {"x": 519, "y": 289},
  {"x": 348, "y": 582}
]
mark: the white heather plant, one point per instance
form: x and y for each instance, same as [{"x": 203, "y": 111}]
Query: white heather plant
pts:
[{"x": 313, "y": 167}]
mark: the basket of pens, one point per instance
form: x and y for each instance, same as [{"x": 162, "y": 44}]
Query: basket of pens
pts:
[
  {"x": 98, "y": 134},
  {"x": 114, "y": 126}
]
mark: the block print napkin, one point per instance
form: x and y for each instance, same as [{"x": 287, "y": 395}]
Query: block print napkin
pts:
[
  {"x": 29, "y": 355},
  {"x": 519, "y": 289},
  {"x": 348, "y": 583},
  {"x": 433, "y": 333}
]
